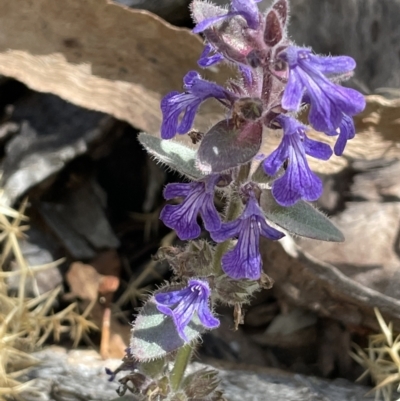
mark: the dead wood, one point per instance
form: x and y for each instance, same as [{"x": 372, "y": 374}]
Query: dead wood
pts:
[
  {"x": 319, "y": 286},
  {"x": 99, "y": 55}
]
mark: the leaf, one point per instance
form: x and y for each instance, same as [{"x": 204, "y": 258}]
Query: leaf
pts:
[
  {"x": 176, "y": 155},
  {"x": 154, "y": 334},
  {"x": 101, "y": 56},
  {"x": 226, "y": 146},
  {"x": 273, "y": 33},
  {"x": 300, "y": 219},
  {"x": 230, "y": 39},
  {"x": 282, "y": 8}
]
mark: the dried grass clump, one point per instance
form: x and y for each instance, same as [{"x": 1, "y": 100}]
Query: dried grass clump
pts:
[
  {"x": 26, "y": 323},
  {"x": 382, "y": 361}
]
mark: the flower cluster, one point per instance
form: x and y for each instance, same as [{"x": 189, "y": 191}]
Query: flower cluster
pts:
[{"x": 277, "y": 80}]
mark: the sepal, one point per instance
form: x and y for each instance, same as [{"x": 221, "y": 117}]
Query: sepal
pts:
[
  {"x": 201, "y": 384},
  {"x": 195, "y": 259},
  {"x": 301, "y": 219},
  {"x": 175, "y": 155},
  {"x": 231, "y": 292}
]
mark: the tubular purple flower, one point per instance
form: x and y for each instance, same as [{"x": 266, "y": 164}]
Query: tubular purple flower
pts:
[
  {"x": 329, "y": 101},
  {"x": 197, "y": 90},
  {"x": 182, "y": 304},
  {"x": 199, "y": 198},
  {"x": 298, "y": 181},
  {"x": 247, "y": 9},
  {"x": 209, "y": 57},
  {"x": 346, "y": 131},
  {"x": 244, "y": 260}
]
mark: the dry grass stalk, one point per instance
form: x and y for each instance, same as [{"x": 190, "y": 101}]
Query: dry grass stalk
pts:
[
  {"x": 26, "y": 323},
  {"x": 382, "y": 361}
]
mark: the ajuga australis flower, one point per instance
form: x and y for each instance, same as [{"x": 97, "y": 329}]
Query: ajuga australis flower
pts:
[
  {"x": 329, "y": 101},
  {"x": 298, "y": 181},
  {"x": 182, "y": 304},
  {"x": 345, "y": 131},
  {"x": 244, "y": 260},
  {"x": 199, "y": 198},
  {"x": 197, "y": 90}
]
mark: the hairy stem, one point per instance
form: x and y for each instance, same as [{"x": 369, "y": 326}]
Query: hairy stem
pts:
[{"x": 181, "y": 361}]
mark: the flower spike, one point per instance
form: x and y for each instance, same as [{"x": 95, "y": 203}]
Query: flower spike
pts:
[
  {"x": 244, "y": 260},
  {"x": 298, "y": 181},
  {"x": 182, "y": 304}
]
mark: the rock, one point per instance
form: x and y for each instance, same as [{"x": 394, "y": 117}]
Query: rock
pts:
[
  {"x": 78, "y": 219},
  {"x": 175, "y": 11},
  {"x": 80, "y": 375},
  {"x": 52, "y": 133},
  {"x": 38, "y": 248}
]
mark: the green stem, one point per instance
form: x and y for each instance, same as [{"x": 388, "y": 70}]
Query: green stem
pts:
[{"x": 181, "y": 361}]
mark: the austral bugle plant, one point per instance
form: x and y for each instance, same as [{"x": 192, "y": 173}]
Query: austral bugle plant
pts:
[{"x": 266, "y": 195}]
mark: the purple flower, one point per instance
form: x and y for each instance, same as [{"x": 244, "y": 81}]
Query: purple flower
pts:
[
  {"x": 298, "y": 181},
  {"x": 346, "y": 131},
  {"x": 244, "y": 260},
  {"x": 185, "y": 302},
  {"x": 110, "y": 373},
  {"x": 199, "y": 198},
  {"x": 329, "y": 101},
  {"x": 209, "y": 57},
  {"x": 247, "y": 9},
  {"x": 197, "y": 90}
]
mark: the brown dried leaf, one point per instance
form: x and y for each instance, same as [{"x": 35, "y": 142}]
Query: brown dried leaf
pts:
[
  {"x": 308, "y": 282},
  {"x": 83, "y": 280},
  {"x": 97, "y": 55}
]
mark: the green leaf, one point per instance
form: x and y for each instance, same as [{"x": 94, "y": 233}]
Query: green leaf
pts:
[
  {"x": 227, "y": 145},
  {"x": 154, "y": 334},
  {"x": 174, "y": 154},
  {"x": 300, "y": 219}
]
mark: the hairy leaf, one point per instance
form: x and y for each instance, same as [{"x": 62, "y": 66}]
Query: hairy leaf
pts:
[
  {"x": 300, "y": 219},
  {"x": 154, "y": 334},
  {"x": 273, "y": 33},
  {"x": 282, "y": 8},
  {"x": 177, "y": 156},
  {"x": 226, "y": 146}
]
